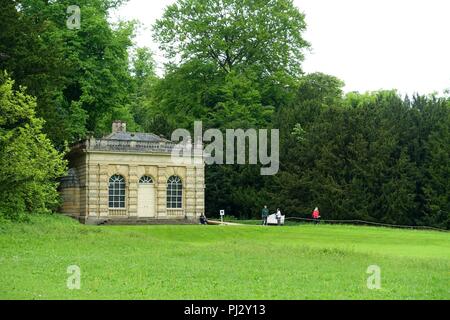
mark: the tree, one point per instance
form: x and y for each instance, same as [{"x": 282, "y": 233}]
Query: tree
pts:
[
  {"x": 32, "y": 50},
  {"x": 29, "y": 164},
  {"x": 142, "y": 95},
  {"x": 258, "y": 34},
  {"x": 79, "y": 77},
  {"x": 374, "y": 156},
  {"x": 434, "y": 192}
]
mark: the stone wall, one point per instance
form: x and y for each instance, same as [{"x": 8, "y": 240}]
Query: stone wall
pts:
[{"x": 70, "y": 198}]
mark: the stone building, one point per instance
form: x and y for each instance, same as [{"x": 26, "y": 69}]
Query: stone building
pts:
[{"x": 131, "y": 178}]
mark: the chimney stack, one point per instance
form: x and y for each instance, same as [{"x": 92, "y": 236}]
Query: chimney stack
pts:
[{"x": 119, "y": 126}]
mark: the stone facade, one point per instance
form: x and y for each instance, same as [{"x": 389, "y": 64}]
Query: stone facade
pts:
[{"x": 86, "y": 191}]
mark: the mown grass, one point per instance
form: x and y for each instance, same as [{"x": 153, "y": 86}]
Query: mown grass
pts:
[{"x": 220, "y": 262}]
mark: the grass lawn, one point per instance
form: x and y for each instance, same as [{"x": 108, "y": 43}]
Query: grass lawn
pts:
[{"x": 220, "y": 262}]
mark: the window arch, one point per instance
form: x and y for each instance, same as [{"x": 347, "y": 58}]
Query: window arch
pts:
[
  {"x": 145, "y": 180},
  {"x": 117, "y": 192},
  {"x": 174, "y": 193}
]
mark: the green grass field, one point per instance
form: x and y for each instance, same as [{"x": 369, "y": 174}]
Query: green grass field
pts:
[{"x": 220, "y": 262}]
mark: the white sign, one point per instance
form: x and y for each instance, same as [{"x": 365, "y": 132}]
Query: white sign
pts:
[{"x": 222, "y": 212}]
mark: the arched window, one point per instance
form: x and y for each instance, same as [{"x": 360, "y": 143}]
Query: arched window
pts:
[
  {"x": 117, "y": 192},
  {"x": 146, "y": 180},
  {"x": 174, "y": 193}
]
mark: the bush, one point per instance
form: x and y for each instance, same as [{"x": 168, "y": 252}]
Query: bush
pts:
[{"x": 29, "y": 164}]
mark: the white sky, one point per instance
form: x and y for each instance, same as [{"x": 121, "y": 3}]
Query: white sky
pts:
[{"x": 369, "y": 44}]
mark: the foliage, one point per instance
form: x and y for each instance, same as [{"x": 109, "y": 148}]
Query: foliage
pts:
[
  {"x": 29, "y": 165},
  {"x": 262, "y": 34},
  {"x": 371, "y": 157},
  {"x": 80, "y": 77}
]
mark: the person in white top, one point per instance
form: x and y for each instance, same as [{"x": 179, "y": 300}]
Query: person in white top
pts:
[{"x": 278, "y": 216}]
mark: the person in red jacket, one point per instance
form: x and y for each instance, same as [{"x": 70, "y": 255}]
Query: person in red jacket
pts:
[{"x": 316, "y": 215}]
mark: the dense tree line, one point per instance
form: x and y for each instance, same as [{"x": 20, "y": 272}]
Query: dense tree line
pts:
[
  {"x": 236, "y": 64},
  {"x": 377, "y": 157}
]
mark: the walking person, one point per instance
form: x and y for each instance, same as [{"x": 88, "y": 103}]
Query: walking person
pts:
[
  {"x": 316, "y": 215},
  {"x": 278, "y": 216},
  {"x": 264, "y": 214}
]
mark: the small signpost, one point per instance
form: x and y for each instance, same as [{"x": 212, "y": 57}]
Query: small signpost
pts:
[{"x": 222, "y": 213}]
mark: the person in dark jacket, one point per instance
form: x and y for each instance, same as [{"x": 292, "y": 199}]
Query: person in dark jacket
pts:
[
  {"x": 203, "y": 219},
  {"x": 264, "y": 215}
]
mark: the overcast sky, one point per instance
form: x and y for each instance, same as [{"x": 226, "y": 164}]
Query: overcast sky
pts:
[{"x": 369, "y": 44}]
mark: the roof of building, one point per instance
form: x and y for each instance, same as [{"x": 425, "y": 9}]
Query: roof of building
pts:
[{"x": 135, "y": 136}]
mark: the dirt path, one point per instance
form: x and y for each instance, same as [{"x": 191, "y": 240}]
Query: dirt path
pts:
[{"x": 215, "y": 222}]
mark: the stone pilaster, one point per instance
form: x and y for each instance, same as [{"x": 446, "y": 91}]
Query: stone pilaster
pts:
[
  {"x": 161, "y": 193},
  {"x": 103, "y": 190},
  {"x": 93, "y": 192},
  {"x": 200, "y": 189},
  {"x": 189, "y": 198},
  {"x": 133, "y": 181}
]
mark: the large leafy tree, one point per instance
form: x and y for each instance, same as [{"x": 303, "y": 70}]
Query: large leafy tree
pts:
[
  {"x": 32, "y": 49},
  {"x": 80, "y": 77},
  {"x": 232, "y": 62},
  {"x": 262, "y": 34},
  {"x": 29, "y": 164}
]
